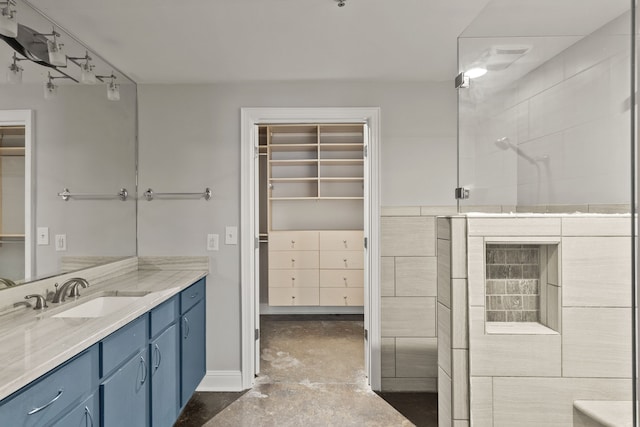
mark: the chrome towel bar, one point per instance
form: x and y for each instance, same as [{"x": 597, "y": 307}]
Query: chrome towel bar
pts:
[
  {"x": 66, "y": 195},
  {"x": 150, "y": 194}
]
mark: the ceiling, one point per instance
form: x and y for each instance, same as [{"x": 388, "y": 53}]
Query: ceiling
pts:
[{"x": 204, "y": 41}]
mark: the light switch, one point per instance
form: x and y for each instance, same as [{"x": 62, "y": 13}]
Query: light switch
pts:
[
  {"x": 231, "y": 235},
  {"x": 61, "y": 242},
  {"x": 43, "y": 235},
  {"x": 212, "y": 242}
]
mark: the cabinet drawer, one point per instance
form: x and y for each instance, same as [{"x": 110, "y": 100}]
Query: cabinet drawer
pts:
[
  {"x": 293, "y": 259},
  {"x": 342, "y": 296},
  {"x": 124, "y": 342},
  {"x": 190, "y": 296},
  {"x": 47, "y": 397},
  {"x": 293, "y": 240},
  {"x": 293, "y": 296},
  {"x": 163, "y": 315},
  {"x": 293, "y": 278},
  {"x": 342, "y": 260},
  {"x": 341, "y": 278},
  {"x": 342, "y": 240}
]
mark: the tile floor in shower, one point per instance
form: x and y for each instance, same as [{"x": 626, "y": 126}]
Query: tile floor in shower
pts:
[{"x": 312, "y": 374}]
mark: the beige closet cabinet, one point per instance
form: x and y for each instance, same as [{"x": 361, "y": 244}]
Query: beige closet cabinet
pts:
[{"x": 315, "y": 193}]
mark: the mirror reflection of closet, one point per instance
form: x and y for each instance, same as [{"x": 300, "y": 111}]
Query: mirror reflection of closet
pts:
[{"x": 12, "y": 204}]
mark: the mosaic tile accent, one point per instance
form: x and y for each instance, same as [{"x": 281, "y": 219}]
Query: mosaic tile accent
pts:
[{"x": 513, "y": 283}]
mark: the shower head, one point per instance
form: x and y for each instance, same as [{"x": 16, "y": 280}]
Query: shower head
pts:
[{"x": 503, "y": 143}]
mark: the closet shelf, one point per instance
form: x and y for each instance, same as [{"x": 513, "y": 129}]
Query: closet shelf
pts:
[
  {"x": 11, "y": 151},
  {"x": 11, "y": 236},
  {"x": 294, "y": 162},
  {"x": 341, "y": 162},
  {"x": 298, "y": 179},
  {"x": 341, "y": 147},
  {"x": 341, "y": 179},
  {"x": 293, "y": 147}
]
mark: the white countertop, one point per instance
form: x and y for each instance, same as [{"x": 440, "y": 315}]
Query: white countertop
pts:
[{"x": 33, "y": 343}]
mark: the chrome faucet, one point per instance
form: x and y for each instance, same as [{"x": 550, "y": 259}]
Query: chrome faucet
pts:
[
  {"x": 40, "y": 301},
  {"x": 61, "y": 291},
  {"x": 7, "y": 282}
]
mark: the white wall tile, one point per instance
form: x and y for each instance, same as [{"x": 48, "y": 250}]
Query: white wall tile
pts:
[
  {"x": 476, "y": 263},
  {"x": 438, "y": 210},
  {"x": 400, "y": 211},
  {"x": 416, "y": 357},
  {"x": 459, "y": 319},
  {"x": 459, "y": 248},
  {"x": 388, "y": 357},
  {"x": 596, "y": 342},
  {"x": 444, "y": 338},
  {"x": 443, "y": 226},
  {"x": 444, "y": 272},
  {"x": 408, "y": 236},
  {"x": 408, "y": 317},
  {"x": 481, "y": 390},
  {"x": 460, "y": 384},
  {"x": 445, "y": 400},
  {"x": 416, "y": 276},
  {"x": 535, "y": 402},
  {"x": 553, "y": 308},
  {"x": 596, "y": 271},
  {"x": 387, "y": 276},
  {"x": 514, "y": 226},
  {"x": 511, "y": 355},
  {"x": 410, "y": 384}
]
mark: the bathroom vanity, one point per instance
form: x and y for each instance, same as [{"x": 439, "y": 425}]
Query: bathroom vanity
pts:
[{"x": 137, "y": 365}]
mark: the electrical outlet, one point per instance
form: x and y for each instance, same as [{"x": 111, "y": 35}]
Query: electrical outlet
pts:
[
  {"x": 213, "y": 242},
  {"x": 43, "y": 236},
  {"x": 231, "y": 235},
  {"x": 61, "y": 242}
]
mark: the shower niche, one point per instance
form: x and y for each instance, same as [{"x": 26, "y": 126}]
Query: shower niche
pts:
[{"x": 522, "y": 287}]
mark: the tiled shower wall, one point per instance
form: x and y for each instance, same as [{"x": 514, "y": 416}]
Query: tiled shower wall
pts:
[
  {"x": 512, "y": 283},
  {"x": 409, "y": 292}
]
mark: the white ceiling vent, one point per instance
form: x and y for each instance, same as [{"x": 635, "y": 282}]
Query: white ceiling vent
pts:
[{"x": 500, "y": 57}]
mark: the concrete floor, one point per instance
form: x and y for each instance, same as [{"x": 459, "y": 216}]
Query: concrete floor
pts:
[{"x": 312, "y": 374}]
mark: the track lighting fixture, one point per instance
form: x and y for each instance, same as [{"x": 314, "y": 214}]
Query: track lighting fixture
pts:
[
  {"x": 14, "y": 75},
  {"x": 87, "y": 75},
  {"x": 50, "y": 88},
  {"x": 54, "y": 47},
  {"x": 113, "y": 89},
  {"x": 8, "y": 18}
]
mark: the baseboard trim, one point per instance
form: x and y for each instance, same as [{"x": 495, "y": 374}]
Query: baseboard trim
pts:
[
  {"x": 221, "y": 381},
  {"x": 267, "y": 309}
]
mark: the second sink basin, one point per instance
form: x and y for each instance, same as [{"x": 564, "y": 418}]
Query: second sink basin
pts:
[{"x": 98, "y": 307}]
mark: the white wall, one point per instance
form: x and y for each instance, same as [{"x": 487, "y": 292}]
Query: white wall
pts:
[{"x": 189, "y": 139}]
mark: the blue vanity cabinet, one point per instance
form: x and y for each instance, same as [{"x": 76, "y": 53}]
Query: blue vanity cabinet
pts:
[
  {"x": 193, "y": 339},
  {"x": 53, "y": 395},
  {"x": 125, "y": 394},
  {"x": 87, "y": 414},
  {"x": 164, "y": 368}
]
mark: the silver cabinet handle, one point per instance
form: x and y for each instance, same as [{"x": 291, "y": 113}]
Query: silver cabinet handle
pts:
[
  {"x": 33, "y": 411},
  {"x": 187, "y": 329},
  {"x": 293, "y": 300},
  {"x": 345, "y": 301},
  {"x": 293, "y": 281},
  {"x": 144, "y": 370},
  {"x": 345, "y": 262},
  {"x": 88, "y": 414},
  {"x": 345, "y": 281},
  {"x": 293, "y": 262},
  {"x": 345, "y": 243},
  {"x": 293, "y": 244},
  {"x": 194, "y": 295},
  {"x": 158, "y": 358}
]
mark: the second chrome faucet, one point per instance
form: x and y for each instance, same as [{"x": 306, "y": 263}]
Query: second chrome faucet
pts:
[{"x": 69, "y": 288}]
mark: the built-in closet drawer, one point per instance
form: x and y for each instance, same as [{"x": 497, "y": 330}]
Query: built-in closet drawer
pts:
[
  {"x": 342, "y": 240},
  {"x": 342, "y": 296},
  {"x": 293, "y": 240},
  {"x": 294, "y": 278},
  {"x": 294, "y": 296},
  {"x": 341, "y": 278},
  {"x": 342, "y": 260},
  {"x": 293, "y": 259}
]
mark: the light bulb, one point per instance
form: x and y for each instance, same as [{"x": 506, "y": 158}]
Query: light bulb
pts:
[
  {"x": 14, "y": 75},
  {"x": 475, "y": 72},
  {"x": 50, "y": 90},
  {"x": 8, "y": 21},
  {"x": 113, "y": 91},
  {"x": 87, "y": 75}
]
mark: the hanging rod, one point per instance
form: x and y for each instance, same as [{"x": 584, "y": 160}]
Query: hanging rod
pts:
[
  {"x": 150, "y": 194},
  {"x": 122, "y": 195}
]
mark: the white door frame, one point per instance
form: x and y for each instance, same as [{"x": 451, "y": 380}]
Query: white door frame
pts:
[
  {"x": 25, "y": 118},
  {"x": 250, "y": 117}
]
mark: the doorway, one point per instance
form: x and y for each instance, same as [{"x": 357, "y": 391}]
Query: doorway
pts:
[
  {"x": 250, "y": 220},
  {"x": 16, "y": 195}
]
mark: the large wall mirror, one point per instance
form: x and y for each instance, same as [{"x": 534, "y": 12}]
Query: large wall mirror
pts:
[{"x": 67, "y": 151}]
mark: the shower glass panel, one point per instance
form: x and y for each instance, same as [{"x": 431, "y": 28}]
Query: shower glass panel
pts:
[{"x": 546, "y": 112}]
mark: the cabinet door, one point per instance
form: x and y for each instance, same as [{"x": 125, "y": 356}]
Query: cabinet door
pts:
[
  {"x": 125, "y": 394},
  {"x": 192, "y": 337},
  {"x": 87, "y": 414},
  {"x": 164, "y": 378}
]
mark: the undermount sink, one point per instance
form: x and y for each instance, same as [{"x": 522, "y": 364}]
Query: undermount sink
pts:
[{"x": 99, "y": 307}]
